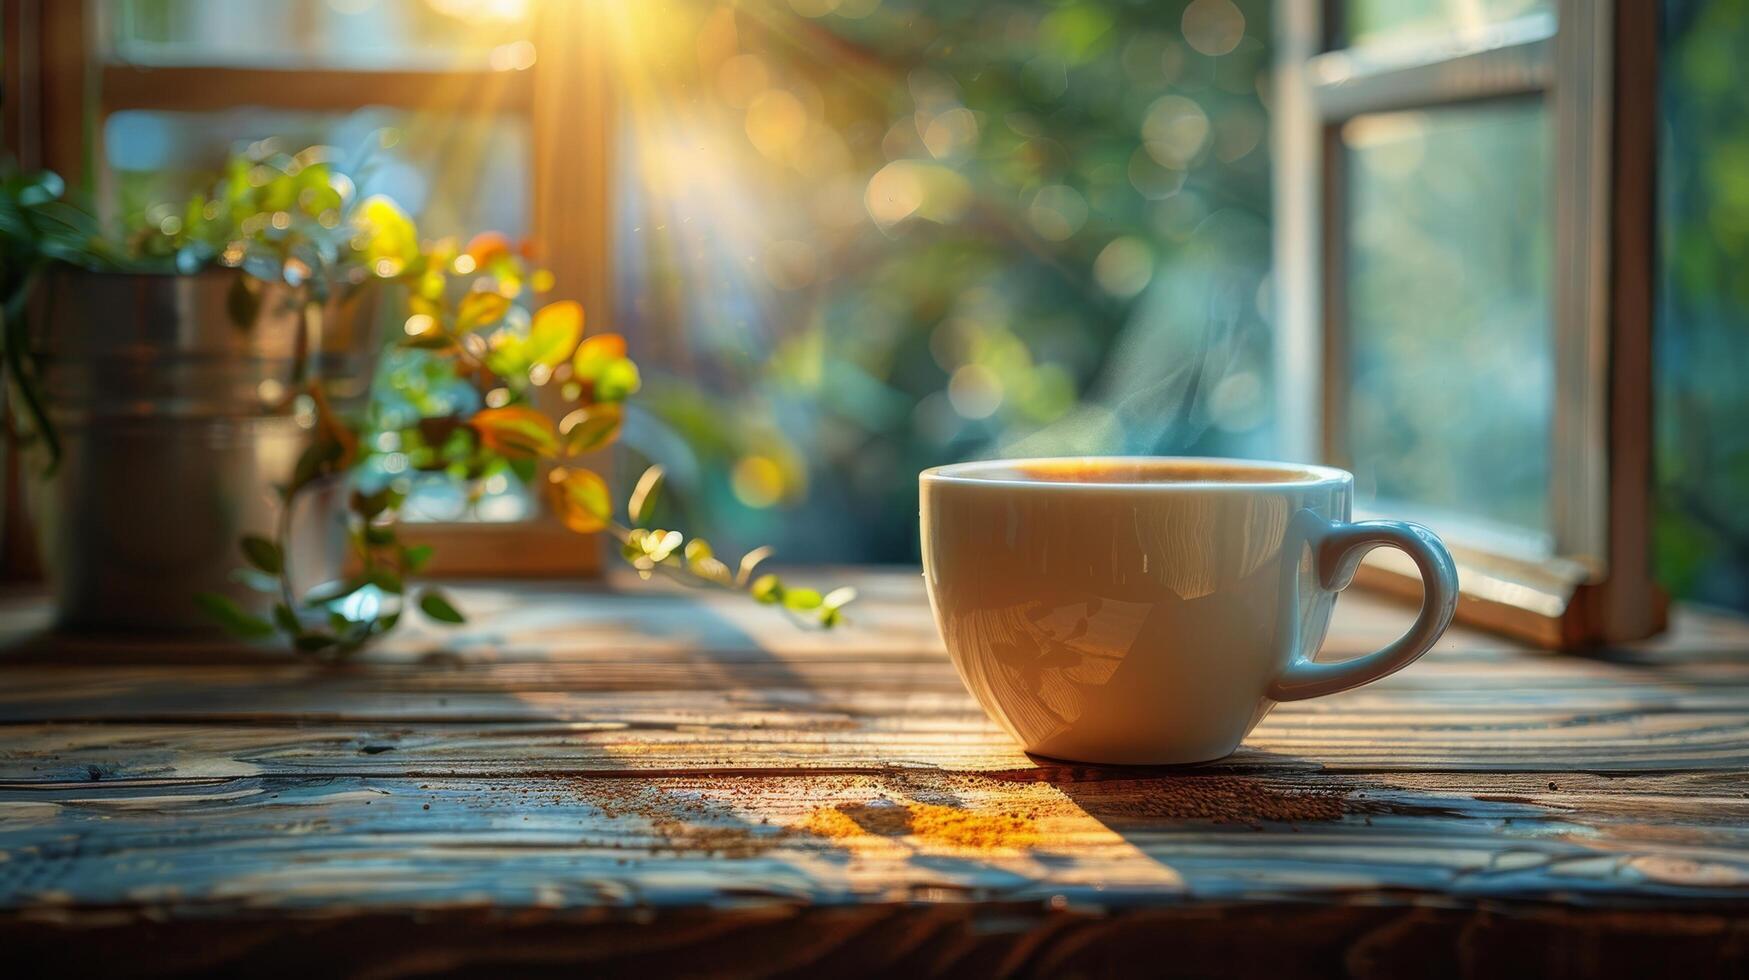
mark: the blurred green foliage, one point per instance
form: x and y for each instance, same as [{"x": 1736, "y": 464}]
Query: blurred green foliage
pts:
[
  {"x": 1703, "y": 302},
  {"x": 863, "y": 238}
]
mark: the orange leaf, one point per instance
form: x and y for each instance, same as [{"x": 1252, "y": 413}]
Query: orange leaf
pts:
[
  {"x": 596, "y": 353},
  {"x": 516, "y": 430},
  {"x": 580, "y": 498},
  {"x": 480, "y": 308},
  {"x": 486, "y": 246}
]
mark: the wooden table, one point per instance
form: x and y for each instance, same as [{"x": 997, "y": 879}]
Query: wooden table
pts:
[{"x": 643, "y": 781}]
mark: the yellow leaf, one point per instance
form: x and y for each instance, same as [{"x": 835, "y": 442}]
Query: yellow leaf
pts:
[
  {"x": 390, "y": 239},
  {"x": 580, "y": 498},
  {"x": 480, "y": 308},
  {"x": 596, "y": 353},
  {"x": 516, "y": 430},
  {"x": 555, "y": 332},
  {"x": 423, "y": 305}
]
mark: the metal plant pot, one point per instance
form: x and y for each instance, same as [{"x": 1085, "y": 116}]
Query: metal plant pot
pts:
[{"x": 176, "y": 426}]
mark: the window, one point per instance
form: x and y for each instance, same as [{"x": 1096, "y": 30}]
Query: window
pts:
[
  {"x": 858, "y": 238},
  {"x": 849, "y": 239},
  {"x": 444, "y": 105},
  {"x": 1463, "y": 250}
]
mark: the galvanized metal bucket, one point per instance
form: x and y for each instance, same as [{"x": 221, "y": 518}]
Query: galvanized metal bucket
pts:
[{"x": 172, "y": 398}]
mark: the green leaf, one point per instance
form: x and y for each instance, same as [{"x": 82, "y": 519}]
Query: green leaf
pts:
[
  {"x": 414, "y": 557},
  {"x": 368, "y": 506},
  {"x": 643, "y": 499},
  {"x": 619, "y": 380},
  {"x": 508, "y": 357},
  {"x": 313, "y": 642},
  {"x": 234, "y": 618},
  {"x": 263, "y": 554},
  {"x": 801, "y": 598},
  {"x": 285, "y": 619},
  {"x": 386, "y": 580},
  {"x": 831, "y": 616},
  {"x": 434, "y": 604},
  {"x": 767, "y": 589},
  {"x": 313, "y": 461}
]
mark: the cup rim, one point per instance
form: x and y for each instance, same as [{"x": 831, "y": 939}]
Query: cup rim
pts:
[{"x": 1001, "y": 473}]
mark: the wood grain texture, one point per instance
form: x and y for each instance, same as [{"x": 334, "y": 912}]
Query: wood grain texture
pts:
[{"x": 657, "y": 780}]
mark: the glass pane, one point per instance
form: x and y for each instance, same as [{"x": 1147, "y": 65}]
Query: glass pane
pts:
[
  {"x": 1703, "y": 304},
  {"x": 1412, "y": 21},
  {"x": 366, "y": 34},
  {"x": 455, "y": 174},
  {"x": 856, "y": 238},
  {"x": 1450, "y": 339}
]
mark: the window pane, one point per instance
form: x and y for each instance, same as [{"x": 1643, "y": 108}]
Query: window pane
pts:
[
  {"x": 1450, "y": 340},
  {"x": 456, "y": 174},
  {"x": 857, "y": 238},
  {"x": 1411, "y": 21},
  {"x": 367, "y": 34}
]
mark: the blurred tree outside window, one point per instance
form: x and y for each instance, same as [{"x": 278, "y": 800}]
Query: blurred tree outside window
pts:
[
  {"x": 863, "y": 237},
  {"x": 1703, "y": 302}
]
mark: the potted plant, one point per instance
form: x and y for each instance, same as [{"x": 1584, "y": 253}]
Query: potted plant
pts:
[
  {"x": 163, "y": 376},
  {"x": 205, "y": 381}
]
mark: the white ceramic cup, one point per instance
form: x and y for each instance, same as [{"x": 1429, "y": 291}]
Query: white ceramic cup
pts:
[{"x": 1131, "y": 610}]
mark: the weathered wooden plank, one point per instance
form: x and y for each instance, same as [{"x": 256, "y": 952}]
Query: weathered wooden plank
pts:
[
  {"x": 771, "y": 738},
  {"x": 1473, "y": 694},
  {"x": 886, "y": 837}
]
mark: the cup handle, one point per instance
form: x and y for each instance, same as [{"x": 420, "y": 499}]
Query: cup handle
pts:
[{"x": 1338, "y": 549}]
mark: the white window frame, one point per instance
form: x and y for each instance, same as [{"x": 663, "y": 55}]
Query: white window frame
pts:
[{"x": 1593, "y": 62}]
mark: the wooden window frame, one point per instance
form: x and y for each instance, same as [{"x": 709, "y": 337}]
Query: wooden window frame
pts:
[
  {"x": 1595, "y": 64},
  {"x": 63, "y": 85}
]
